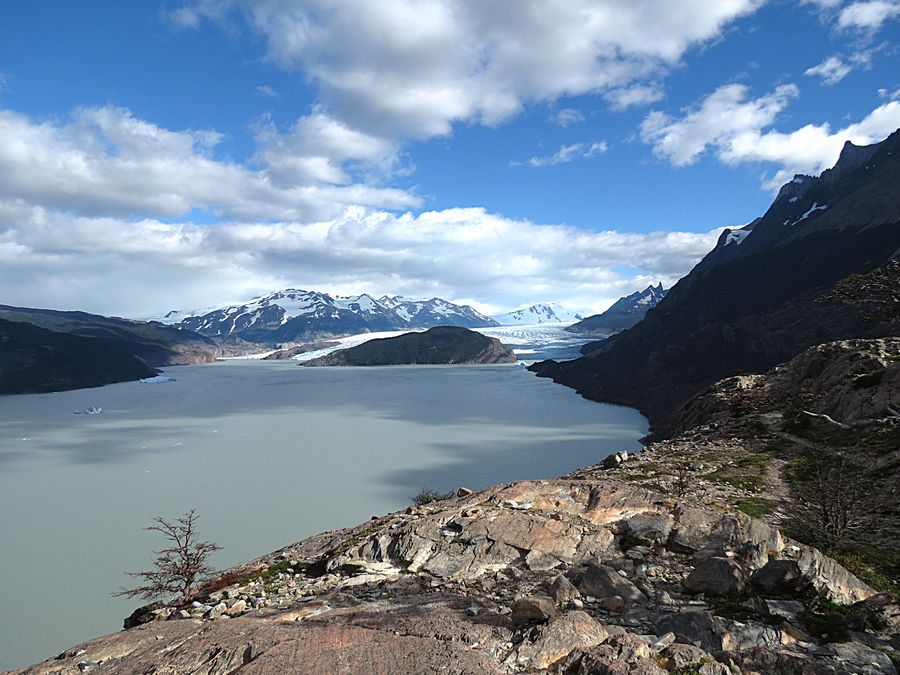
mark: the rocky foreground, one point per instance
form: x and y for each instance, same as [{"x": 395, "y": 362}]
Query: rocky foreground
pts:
[
  {"x": 563, "y": 576},
  {"x": 651, "y": 563}
]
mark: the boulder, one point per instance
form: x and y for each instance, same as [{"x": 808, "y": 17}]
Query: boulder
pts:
[
  {"x": 649, "y": 529},
  {"x": 533, "y": 608},
  {"x": 778, "y": 576},
  {"x": 601, "y": 581},
  {"x": 716, "y": 576},
  {"x": 562, "y": 590},
  {"x": 553, "y": 642},
  {"x": 883, "y": 612},
  {"x": 714, "y": 633},
  {"x": 143, "y": 615}
]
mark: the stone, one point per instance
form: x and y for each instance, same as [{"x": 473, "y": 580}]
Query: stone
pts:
[
  {"x": 215, "y": 612},
  {"x": 562, "y": 590},
  {"x": 601, "y": 581},
  {"x": 648, "y": 528},
  {"x": 613, "y": 603},
  {"x": 714, "y": 633},
  {"x": 553, "y": 642},
  {"x": 786, "y": 609},
  {"x": 663, "y": 641},
  {"x": 142, "y": 615},
  {"x": 463, "y": 492},
  {"x": 680, "y": 656},
  {"x": 237, "y": 607},
  {"x": 716, "y": 576},
  {"x": 533, "y": 608},
  {"x": 863, "y": 659},
  {"x": 883, "y": 612},
  {"x": 778, "y": 576},
  {"x": 472, "y": 611}
]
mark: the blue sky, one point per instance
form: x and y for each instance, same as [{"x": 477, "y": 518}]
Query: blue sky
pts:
[{"x": 192, "y": 153}]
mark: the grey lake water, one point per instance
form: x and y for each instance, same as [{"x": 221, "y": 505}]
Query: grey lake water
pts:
[{"x": 268, "y": 453}]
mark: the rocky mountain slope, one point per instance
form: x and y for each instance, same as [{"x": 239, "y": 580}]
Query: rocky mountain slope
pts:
[
  {"x": 48, "y": 350},
  {"x": 645, "y": 563},
  {"x": 295, "y": 315},
  {"x": 35, "y": 360},
  {"x": 439, "y": 345},
  {"x": 761, "y": 297},
  {"x": 538, "y": 314},
  {"x": 623, "y": 314}
]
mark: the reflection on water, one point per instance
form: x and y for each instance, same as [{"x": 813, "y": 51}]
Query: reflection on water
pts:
[{"x": 268, "y": 453}]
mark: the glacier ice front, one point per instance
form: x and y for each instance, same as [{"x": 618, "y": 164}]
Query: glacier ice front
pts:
[{"x": 157, "y": 379}]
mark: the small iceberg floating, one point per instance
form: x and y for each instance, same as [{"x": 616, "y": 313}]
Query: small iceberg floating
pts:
[
  {"x": 157, "y": 379},
  {"x": 93, "y": 410}
]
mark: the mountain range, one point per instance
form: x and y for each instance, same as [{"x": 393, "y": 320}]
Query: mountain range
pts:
[
  {"x": 294, "y": 315},
  {"x": 623, "y": 314},
  {"x": 538, "y": 314},
  {"x": 765, "y": 293}
]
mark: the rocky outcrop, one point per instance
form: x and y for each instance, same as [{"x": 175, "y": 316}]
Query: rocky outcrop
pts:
[
  {"x": 484, "y": 583},
  {"x": 436, "y": 346}
]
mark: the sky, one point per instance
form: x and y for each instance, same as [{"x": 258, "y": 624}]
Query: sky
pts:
[{"x": 195, "y": 153}]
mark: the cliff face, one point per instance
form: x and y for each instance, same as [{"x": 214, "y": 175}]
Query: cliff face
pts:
[
  {"x": 440, "y": 345},
  {"x": 759, "y": 298}
]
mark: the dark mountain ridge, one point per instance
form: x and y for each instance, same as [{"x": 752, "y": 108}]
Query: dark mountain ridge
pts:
[
  {"x": 48, "y": 350},
  {"x": 624, "y": 312},
  {"x": 759, "y": 298}
]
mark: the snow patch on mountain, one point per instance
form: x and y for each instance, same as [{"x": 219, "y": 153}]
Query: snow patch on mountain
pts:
[{"x": 543, "y": 313}]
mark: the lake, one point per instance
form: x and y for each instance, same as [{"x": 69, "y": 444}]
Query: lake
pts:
[{"x": 268, "y": 453}]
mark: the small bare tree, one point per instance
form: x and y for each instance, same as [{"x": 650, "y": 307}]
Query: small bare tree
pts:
[
  {"x": 837, "y": 501},
  {"x": 682, "y": 478},
  {"x": 179, "y": 567}
]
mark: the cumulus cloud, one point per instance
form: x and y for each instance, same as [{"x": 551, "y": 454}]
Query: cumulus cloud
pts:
[
  {"x": 734, "y": 128},
  {"x": 721, "y": 116},
  {"x": 108, "y": 265},
  {"x": 869, "y": 15},
  {"x": 413, "y": 68},
  {"x": 832, "y": 70},
  {"x": 105, "y": 161},
  {"x": 568, "y": 153}
]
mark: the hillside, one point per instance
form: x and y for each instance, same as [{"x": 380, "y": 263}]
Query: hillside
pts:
[
  {"x": 762, "y": 297},
  {"x": 48, "y": 350},
  {"x": 439, "y": 345},
  {"x": 33, "y": 360}
]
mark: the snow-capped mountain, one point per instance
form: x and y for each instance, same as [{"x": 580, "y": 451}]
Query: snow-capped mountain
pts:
[
  {"x": 624, "y": 313},
  {"x": 295, "y": 315},
  {"x": 537, "y": 314}
]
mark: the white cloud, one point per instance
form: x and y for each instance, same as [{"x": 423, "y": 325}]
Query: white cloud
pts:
[
  {"x": 568, "y": 153},
  {"x": 266, "y": 90},
  {"x": 635, "y": 95},
  {"x": 52, "y": 258},
  {"x": 104, "y": 161},
  {"x": 832, "y": 70},
  {"x": 567, "y": 117},
  {"x": 869, "y": 15},
  {"x": 734, "y": 128},
  {"x": 721, "y": 116},
  {"x": 812, "y": 148},
  {"x": 413, "y": 68},
  {"x": 888, "y": 94}
]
